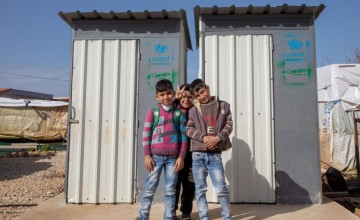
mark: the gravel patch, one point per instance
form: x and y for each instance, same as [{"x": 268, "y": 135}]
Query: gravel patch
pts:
[{"x": 27, "y": 181}]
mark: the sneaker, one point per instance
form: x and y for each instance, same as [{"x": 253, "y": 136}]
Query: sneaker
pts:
[{"x": 185, "y": 217}]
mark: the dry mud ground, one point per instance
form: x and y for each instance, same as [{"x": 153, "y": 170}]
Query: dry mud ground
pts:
[{"x": 27, "y": 181}]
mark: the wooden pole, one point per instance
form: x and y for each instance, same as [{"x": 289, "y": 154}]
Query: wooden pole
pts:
[{"x": 356, "y": 140}]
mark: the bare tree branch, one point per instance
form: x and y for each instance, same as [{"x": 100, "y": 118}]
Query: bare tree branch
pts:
[{"x": 354, "y": 56}]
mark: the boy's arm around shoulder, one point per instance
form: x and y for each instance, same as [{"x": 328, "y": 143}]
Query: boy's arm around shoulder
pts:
[
  {"x": 228, "y": 127},
  {"x": 192, "y": 126},
  {"x": 146, "y": 139}
]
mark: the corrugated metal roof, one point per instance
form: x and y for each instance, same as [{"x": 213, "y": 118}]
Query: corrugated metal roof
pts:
[
  {"x": 4, "y": 89},
  {"x": 24, "y": 93},
  {"x": 69, "y": 17},
  {"x": 267, "y": 9},
  {"x": 62, "y": 98}
]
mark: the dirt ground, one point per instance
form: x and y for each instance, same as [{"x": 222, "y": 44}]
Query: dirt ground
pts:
[{"x": 27, "y": 181}]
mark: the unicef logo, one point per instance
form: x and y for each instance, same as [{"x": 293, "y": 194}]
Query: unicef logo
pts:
[
  {"x": 161, "y": 49},
  {"x": 295, "y": 44}
]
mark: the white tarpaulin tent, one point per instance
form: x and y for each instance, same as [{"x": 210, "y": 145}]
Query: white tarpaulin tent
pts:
[
  {"x": 33, "y": 119},
  {"x": 338, "y": 95},
  {"x": 9, "y": 102},
  {"x": 339, "y": 82},
  {"x": 342, "y": 144}
]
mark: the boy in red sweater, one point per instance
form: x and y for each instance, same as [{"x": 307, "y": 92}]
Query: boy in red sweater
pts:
[{"x": 165, "y": 147}]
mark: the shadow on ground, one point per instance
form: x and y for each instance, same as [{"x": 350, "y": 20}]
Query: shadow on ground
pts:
[{"x": 10, "y": 167}]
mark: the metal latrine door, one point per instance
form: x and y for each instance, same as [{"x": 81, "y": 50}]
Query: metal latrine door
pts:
[
  {"x": 102, "y": 123},
  {"x": 238, "y": 68}
]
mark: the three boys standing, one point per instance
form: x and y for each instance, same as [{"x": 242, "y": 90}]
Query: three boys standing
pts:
[{"x": 209, "y": 126}]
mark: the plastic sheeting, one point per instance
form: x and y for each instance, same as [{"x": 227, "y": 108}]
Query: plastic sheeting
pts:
[
  {"x": 342, "y": 146},
  {"x": 339, "y": 82},
  {"x": 324, "y": 109},
  {"x": 338, "y": 95},
  {"x": 9, "y": 102},
  {"x": 40, "y": 120}
]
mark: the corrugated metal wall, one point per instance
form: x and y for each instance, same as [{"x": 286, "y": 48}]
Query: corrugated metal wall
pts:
[
  {"x": 155, "y": 66},
  {"x": 238, "y": 68},
  {"x": 103, "y": 121}
]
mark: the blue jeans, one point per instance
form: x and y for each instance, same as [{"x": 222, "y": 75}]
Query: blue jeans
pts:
[
  {"x": 152, "y": 181},
  {"x": 204, "y": 164}
]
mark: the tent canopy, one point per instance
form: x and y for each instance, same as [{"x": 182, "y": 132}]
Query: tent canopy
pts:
[
  {"x": 339, "y": 82},
  {"x": 9, "y": 102}
]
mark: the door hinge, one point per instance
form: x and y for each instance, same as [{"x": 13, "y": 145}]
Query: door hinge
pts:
[{"x": 73, "y": 121}]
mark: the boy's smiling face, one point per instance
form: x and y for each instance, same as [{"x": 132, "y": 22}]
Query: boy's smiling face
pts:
[
  {"x": 186, "y": 99},
  {"x": 203, "y": 95},
  {"x": 166, "y": 97}
]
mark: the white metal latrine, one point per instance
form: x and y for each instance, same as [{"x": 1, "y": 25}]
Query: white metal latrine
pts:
[
  {"x": 238, "y": 68},
  {"x": 103, "y": 121}
]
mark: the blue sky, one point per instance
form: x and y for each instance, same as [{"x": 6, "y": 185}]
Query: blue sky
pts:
[{"x": 35, "y": 41}]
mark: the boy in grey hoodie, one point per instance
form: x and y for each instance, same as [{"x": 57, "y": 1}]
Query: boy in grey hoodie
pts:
[{"x": 209, "y": 126}]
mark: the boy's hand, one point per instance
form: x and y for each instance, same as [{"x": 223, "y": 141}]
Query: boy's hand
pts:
[
  {"x": 149, "y": 163},
  {"x": 179, "y": 164},
  {"x": 210, "y": 142},
  {"x": 215, "y": 139},
  {"x": 207, "y": 141},
  {"x": 178, "y": 93}
]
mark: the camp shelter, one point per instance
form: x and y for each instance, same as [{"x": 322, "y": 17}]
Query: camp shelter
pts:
[
  {"x": 117, "y": 57},
  {"x": 261, "y": 59},
  {"x": 33, "y": 119},
  {"x": 338, "y": 97}
]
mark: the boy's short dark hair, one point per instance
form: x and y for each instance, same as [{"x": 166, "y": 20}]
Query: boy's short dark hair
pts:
[
  {"x": 186, "y": 87},
  {"x": 163, "y": 85},
  {"x": 196, "y": 85}
]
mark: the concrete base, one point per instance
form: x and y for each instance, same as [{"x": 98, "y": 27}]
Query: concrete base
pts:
[{"x": 56, "y": 209}]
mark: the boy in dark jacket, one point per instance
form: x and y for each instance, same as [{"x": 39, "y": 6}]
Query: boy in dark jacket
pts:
[
  {"x": 184, "y": 99},
  {"x": 209, "y": 126}
]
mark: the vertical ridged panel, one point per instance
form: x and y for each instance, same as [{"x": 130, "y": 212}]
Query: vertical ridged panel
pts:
[
  {"x": 127, "y": 121},
  {"x": 109, "y": 117},
  {"x": 92, "y": 124},
  {"x": 75, "y": 167},
  {"x": 263, "y": 150},
  {"x": 102, "y": 143},
  {"x": 239, "y": 70}
]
